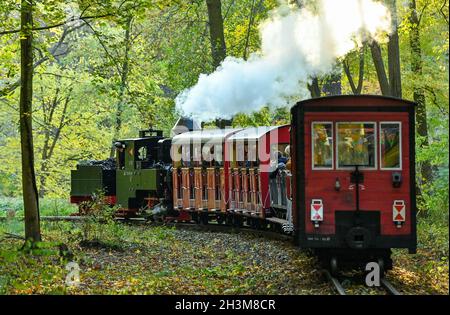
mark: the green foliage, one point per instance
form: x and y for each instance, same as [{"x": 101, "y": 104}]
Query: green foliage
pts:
[
  {"x": 264, "y": 117},
  {"x": 82, "y": 63},
  {"x": 98, "y": 223},
  {"x": 48, "y": 206}
]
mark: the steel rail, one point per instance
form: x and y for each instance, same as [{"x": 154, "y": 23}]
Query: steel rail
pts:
[
  {"x": 337, "y": 285},
  {"x": 389, "y": 287}
]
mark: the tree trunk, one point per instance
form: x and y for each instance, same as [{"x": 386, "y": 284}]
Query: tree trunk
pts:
[
  {"x": 218, "y": 48},
  {"x": 395, "y": 82},
  {"x": 123, "y": 79},
  {"x": 30, "y": 193},
  {"x": 356, "y": 89},
  {"x": 379, "y": 67},
  {"x": 391, "y": 86},
  {"x": 314, "y": 88},
  {"x": 247, "y": 37},
  {"x": 418, "y": 91}
]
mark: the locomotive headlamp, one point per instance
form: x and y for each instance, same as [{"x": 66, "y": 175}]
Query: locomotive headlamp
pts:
[{"x": 337, "y": 184}]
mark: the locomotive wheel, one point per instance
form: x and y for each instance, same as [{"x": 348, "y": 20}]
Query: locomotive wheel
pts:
[
  {"x": 334, "y": 266},
  {"x": 219, "y": 219}
]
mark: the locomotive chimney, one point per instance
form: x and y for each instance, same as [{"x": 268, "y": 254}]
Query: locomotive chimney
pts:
[
  {"x": 184, "y": 124},
  {"x": 223, "y": 123}
]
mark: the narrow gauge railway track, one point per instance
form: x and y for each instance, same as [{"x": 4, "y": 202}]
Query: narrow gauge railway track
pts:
[
  {"x": 214, "y": 227},
  {"x": 211, "y": 226},
  {"x": 385, "y": 284}
]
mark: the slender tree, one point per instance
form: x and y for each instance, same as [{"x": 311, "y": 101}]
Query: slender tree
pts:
[
  {"x": 418, "y": 91},
  {"x": 314, "y": 87},
  {"x": 29, "y": 188},
  {"x": 123, "y": 77},
  {"x": 395, "y": 82},
  {"x": 356, "y": 89},
  {"x": 377, "y": 58},
  {"x": 217, "y": 38},
  {"x": 390, "y": 83}
]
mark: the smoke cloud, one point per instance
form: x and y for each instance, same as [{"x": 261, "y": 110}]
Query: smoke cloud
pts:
[{"x": 296, "y": 44}]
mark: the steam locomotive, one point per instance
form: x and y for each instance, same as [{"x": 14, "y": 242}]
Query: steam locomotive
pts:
[{"x": 340, "y": 178}]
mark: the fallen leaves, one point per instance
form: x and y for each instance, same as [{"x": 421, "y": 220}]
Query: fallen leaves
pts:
[{"x": 159, "y": 260}]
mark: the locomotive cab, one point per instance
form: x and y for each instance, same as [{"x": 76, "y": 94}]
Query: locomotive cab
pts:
[
  {"x": 353, "y": 177},
  {"x": 140, "y": 171}
]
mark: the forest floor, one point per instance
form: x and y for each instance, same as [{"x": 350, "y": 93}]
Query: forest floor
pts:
[{"x": 139, "y": 259}]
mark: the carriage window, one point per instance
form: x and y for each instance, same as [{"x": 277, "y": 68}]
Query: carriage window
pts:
[
  {"x": 356, "y": 144},
  {"x": 322, "y": 135},
  {"x": 390, "y": 140}
]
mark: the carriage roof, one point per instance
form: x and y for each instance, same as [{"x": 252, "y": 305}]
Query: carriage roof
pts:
[
  {"x": 204, "y": 135},
  {"x": 253, "y": 133}
]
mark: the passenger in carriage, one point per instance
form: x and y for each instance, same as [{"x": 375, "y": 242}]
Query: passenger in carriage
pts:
[
  {"x": 287, "y": 151},
  {"x": 281, "y": 164},
  {"x": 282, "y": 158}
]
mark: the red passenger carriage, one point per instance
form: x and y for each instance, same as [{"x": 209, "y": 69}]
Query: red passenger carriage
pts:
[
  {"x": 353, "y": 177},
  {"x": 224, "y": 173}
]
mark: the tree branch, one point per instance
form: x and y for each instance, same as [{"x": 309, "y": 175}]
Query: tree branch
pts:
[
  {"x": 250, "y": 22},
  {"x": 10, "y": 88},
  {"x": 422, "y": 12},
  {"x": 441, "y": 10},
  {"x": 96, "y": 34},
  {"x": 72, "y": 19}
]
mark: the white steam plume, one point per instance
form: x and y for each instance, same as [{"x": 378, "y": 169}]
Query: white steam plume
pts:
[{"x": 295, "y": 45}]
